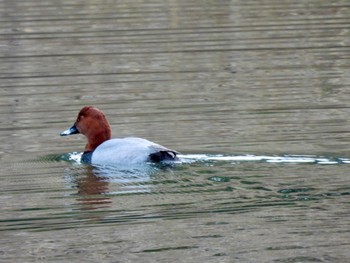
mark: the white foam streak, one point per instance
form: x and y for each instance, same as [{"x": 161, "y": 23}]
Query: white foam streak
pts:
[{"x": 264, "y": 158}]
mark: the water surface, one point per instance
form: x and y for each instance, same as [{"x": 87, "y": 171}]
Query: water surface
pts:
[{"x": 253, "y": 94}]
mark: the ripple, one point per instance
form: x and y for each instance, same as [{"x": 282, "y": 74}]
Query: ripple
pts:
[{"x": 74, "y": 157}]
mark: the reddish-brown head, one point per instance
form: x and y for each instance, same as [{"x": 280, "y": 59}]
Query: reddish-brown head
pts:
[{"x": 93, "y": 124}]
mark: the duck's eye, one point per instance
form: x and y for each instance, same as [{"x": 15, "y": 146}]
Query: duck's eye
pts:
[{"x": 80, "y": 118}]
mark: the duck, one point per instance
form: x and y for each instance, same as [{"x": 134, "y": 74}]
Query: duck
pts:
[{"x": 101, "y": 149}]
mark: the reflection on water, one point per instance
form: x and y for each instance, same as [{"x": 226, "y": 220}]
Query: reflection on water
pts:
[
  {"x": 95, "y": 179},
  {"x": 96, "y": 185},
  {"x": 253, "y": 93},
  {"x": 208, "y": 201},
  {"x": 91, "y": 189}
]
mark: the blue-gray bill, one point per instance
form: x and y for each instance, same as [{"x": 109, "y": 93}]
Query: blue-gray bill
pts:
[{"x": 71, "y": 130}]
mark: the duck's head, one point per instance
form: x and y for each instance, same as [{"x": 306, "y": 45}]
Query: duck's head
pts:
[{"x": 93, "y": 124}]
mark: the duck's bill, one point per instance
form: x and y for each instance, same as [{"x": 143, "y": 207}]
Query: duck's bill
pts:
[{"x": 71, "y": 130}]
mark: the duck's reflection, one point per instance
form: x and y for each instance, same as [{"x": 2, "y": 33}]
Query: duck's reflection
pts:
[
  {"x": 97, "y": 185},
  {"x": 92, "y": 190}
]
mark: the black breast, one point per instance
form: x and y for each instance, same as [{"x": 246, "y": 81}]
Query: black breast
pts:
[{"x": 86, "y": 157}]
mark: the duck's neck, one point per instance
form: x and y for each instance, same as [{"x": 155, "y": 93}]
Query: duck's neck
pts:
[{"x": 98, "y": 138}]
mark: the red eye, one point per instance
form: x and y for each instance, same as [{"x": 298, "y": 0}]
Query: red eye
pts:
[{"x": 80, "y": 118}]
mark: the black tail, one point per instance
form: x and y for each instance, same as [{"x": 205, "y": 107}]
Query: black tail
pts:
[{"x": 162, "y": 156}]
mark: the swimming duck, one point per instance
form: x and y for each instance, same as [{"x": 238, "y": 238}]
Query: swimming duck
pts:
[{"x": 101, "y": 149}]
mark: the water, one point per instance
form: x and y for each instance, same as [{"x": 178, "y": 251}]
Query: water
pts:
[{"x": 253, "y": 94}]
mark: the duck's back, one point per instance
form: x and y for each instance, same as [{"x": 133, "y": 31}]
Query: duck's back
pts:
[{"x": 130, "y": 150}]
